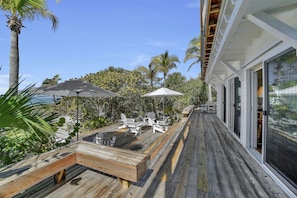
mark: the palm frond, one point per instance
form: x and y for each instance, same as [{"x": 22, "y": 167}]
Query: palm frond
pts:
[
  {"x": 18, "y": 113},
  {"x": 29, "y": 9},
  {"x": 193, "y": 52}
]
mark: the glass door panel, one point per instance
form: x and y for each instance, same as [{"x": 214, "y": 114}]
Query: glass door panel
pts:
[
  {"x": 281, "y": 136},
  {"x": 237, "y": 106},
  {"x": 259, "y": 110},
  {"x": 224, "y": 111}
]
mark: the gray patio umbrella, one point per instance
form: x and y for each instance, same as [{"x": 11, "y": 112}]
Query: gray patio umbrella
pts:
[
  {"x": 163, "y": 92},
  {"x": 77, "y": 88}
]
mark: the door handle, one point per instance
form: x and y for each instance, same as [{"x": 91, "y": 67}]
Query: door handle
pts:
[{"x": 265, "y": 113}]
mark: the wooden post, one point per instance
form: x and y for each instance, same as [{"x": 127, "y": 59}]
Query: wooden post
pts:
[
  {"x": 124, "y": 183},
  {"x": 60, "y": 176}
]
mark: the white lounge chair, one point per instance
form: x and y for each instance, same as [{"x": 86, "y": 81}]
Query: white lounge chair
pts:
[
  {"x": 102, "y": 139},
  {"x": 162, "y": 125},
  {"x": 151, "y": 115},
  {"x": 125, "y": 121},
  {"x": 148, "y": 121},
  {"x": 165, "y": 122},
  {"x": 159, "y": 128},
  {"x": 113, "y": 140},
  {"x": 211, "y": 108},
  {"x": 134, "y": 128},
  {"x": 203, "y": 108}
]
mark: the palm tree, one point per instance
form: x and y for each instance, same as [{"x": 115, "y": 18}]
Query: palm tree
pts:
[
  {"x": 18, "y": 11},
  {"x": 193, "y": 52},
  {"x": 149, "y": 73},
  {"x": 164, "y": 63}
]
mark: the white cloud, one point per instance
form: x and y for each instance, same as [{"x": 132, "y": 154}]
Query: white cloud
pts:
[{"x": 138, "y": 61}]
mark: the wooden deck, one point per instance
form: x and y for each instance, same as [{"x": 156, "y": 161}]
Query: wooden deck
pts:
[
  {"x": 196, "y": 158},
  {"x": 212, "y": 164}
]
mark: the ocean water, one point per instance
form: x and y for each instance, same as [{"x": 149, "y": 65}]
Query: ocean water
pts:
[{"x": 43, "y": 99}]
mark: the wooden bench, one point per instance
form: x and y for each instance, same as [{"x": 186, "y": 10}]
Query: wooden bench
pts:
[
  {"x": 186, "y": 111},
  {"x": 128, "y": 166}
]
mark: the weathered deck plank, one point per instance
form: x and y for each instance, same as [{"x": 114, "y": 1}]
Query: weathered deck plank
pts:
[
  {"x": 212, "y": 163},
  {"x": 165, "y": 150},
  {"x": 89, "y": 184},
  {"x": 143, "y": 141},
  {"x": 229, "y": 171},
  {"x": 123, "y": 164},
  {"x": 183, "y": 171}
]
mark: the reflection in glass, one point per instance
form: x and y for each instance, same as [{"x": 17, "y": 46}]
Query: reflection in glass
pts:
[
  {"x": 259, "y": 110},
  {"x": 237, "y": 102},
  {"x": 281, "y": 140}
]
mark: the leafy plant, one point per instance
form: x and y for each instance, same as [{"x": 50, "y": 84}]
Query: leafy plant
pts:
[
  {"x": 24, "y": 126},
  {"x": 96, "y": 122}
]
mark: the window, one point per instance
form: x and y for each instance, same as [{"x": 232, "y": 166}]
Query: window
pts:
[{"x": 281, "y": 138}]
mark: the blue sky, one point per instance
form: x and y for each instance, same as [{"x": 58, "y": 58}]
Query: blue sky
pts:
[{"x": 95, "y": 34}]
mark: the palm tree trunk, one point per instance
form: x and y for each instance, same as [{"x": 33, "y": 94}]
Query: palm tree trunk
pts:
[{"x": 14, "y": 60}]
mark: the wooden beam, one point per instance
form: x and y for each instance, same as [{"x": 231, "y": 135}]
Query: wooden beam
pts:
[
  {"x": 60, "y": 176},
  {"x": 274, "y": 26},
  {"x": 215, "y": 11},
  {"x": 126, "y": 184},
  {"x": 234, "y": 70}
]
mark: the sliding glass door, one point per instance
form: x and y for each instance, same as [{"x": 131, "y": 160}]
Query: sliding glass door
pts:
[
  {"x": 257, "y": 109},
  {"x": 224, "y": 104},
  {"x": 237, "y": 106},
  {"x": 281, "y": 111}
]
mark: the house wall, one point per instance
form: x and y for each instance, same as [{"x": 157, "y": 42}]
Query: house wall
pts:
[
  {"x": 220, "y": 101},
  {"x": 263, "y": 47},
  {"x": 246, "y": 103}
]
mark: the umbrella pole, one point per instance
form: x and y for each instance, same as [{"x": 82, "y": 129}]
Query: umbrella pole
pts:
[
  {"x": 77, "y": 114},
  {"x": 163, "y": 108}
]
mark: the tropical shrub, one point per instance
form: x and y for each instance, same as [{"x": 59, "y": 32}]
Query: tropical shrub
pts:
[{"x": 24, "y": 126}]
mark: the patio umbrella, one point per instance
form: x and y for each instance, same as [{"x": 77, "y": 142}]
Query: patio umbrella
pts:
[
  {"x": 163, "y": 92},
  {"x": 76, "y": 88}
]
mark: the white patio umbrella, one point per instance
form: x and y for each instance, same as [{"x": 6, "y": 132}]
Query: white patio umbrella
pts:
[
  {"x": 163, "y": 92},
  {"x": 76, "y": 88}
]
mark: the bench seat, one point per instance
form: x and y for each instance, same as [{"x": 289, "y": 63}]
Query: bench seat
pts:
[
  {"x": 186, "y": 111},
  {"x": 113, "y": 161}
]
